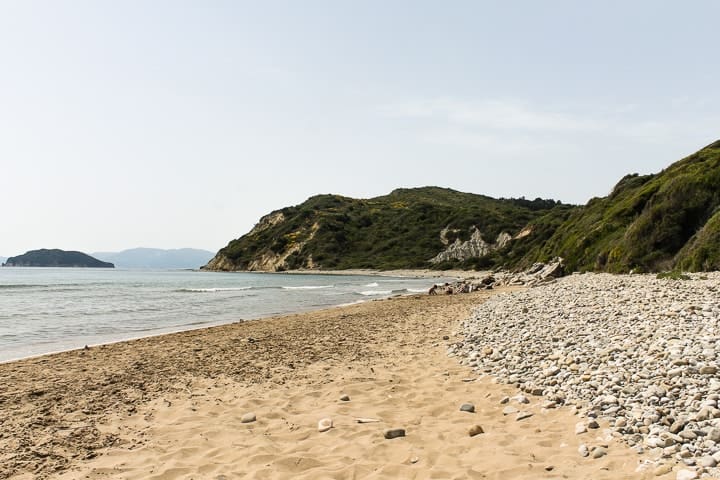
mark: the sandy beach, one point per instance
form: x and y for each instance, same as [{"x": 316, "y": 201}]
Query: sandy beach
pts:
[{"x": 172, "y": 406}]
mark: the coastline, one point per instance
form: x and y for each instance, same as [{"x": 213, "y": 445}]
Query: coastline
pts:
[
  {"x": 170, "y": 406},
  {"x": 401, "y": 273}
]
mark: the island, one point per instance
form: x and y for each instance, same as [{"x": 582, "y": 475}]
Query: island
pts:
[{"x": 55, "y": 258}]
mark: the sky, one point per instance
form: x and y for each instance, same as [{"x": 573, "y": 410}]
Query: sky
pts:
[{"x": 176, "y": 124}]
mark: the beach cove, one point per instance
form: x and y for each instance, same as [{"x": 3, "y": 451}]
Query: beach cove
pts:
[{"x": 172, "y": 406}]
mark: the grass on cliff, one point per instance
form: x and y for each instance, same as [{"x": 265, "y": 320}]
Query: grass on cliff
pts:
[{"x": 646, "y": 222}]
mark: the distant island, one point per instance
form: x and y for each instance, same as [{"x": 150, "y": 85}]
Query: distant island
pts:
[
  {"x": 55, "y": 258},
  {"x": 157, "y": 258}
]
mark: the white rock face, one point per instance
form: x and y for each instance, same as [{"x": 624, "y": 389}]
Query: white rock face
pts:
[
  {"x": 639, "y": 352},
  {"x": 475, "y": 247}
]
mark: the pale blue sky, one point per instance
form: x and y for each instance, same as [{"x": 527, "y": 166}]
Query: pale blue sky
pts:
[{"x": 178, "y": 124}]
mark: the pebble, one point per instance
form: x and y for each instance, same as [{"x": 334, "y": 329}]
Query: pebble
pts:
[
  {"x": 467, "y": 407},
  {"x": 685, "y": 474},
  {"x": 523, "y": 416},
  {"x": 325, "y": 424},
  {"x": 345, "y": 398},
  {"x": 248, "y": 418},
  {"x": 662, "y": 470},
  {"x": 583, "y": 450},
  {"x": 580, "y": 428},
  {"x": 394, "y": 433},
  {"x": 599, "y": 452},
  {"x": 509, "y": 410},
  {"x": 635, "y": 351},
  {"x": 707, "y": 461},
  {"x": 475, "y": 430}
]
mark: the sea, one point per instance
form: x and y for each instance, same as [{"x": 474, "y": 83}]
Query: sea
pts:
[{"x": 46, "y": 310}]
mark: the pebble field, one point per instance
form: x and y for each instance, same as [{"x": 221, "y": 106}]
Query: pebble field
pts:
[{"x": 634, "y": 352}]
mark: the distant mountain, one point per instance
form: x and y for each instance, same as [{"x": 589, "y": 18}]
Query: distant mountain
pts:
[
  {"x": 157, "y": 258},
  {"x": 55, "y": 258}
]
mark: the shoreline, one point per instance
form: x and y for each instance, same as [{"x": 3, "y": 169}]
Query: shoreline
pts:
[
  {"x": 47, "y": 346},
  {"x": 400, "y": 273},
  {"x": 170, "y": 406}
]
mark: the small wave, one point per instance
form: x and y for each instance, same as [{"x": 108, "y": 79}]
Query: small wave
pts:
[
  {"x": 356, "y": 302},
  {"x": 417, "y": 290},
  {"x": 210, "y": 290},
  {"x": 32, "y": 285},
  {"x": 369, "y": 293},
  {"x": 374, "y": 284},
  {"x": 309, "y": 287}
]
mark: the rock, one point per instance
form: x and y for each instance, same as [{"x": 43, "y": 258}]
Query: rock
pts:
[
  {"x": 391, "y": 433},
  {"x": 475, "y": 430},
  {"x": 677, "y": 426},
  {"x": 714, "y": 435},
  {"x": 467, "y": 407},
  {"x": 504, "y": 400},
  {"x": 685, "y": 474},
  {"x": 663, "y": 469},
  {"x": 325, "y": 424},
  {"x": 248, "y": 418},
  {"x": 521, "y": 399},
  {"x": 599, "y": 452},
  {"x": 345, "y": 398},
  {"x": 707, "y": 370},
  {"x": 583, "y": 450},
  {"x": 580, "y": 428},
  {"x": 549, "y": 468},
  {"x": 509, "y": 410},
  {"x": 707, "y": 461},
  {"x": 593, "y": 424},
  {"x": 523, "y": 416}
]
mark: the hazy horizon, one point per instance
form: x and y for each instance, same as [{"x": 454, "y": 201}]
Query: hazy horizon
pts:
[{"x": 179, "y": 124}]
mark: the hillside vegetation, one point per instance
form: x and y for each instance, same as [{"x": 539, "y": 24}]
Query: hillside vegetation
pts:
[
  {"x": 665, "y": 221},
  {"x": 401, "y": 230}
]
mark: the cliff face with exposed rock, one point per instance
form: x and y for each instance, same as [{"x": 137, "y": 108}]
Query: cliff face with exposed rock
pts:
[{"x": 474, "y": 247}]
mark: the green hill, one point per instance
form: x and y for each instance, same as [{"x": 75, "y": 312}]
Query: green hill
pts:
[
  {"x": 669, "y": 220},
  {"x": 406, "y": 229},
  {"x": 55, "y": 258}
]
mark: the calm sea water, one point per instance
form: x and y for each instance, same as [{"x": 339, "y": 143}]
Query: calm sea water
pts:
[{"x": 45, "y": 310}]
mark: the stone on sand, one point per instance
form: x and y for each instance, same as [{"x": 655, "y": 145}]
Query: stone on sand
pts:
[
  {"x": 325, "y": 424},
  {"x": 391, "y": 433},
  {"x": 475, "y": 430},
  {"x": 248, "y": 418}
]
